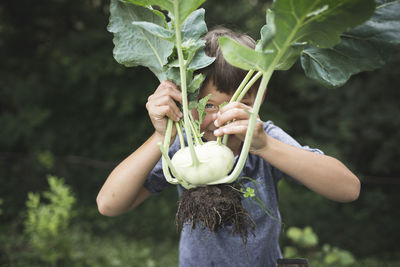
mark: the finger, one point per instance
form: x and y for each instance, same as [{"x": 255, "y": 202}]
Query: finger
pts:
[
  {"x": 232, "y": 114},
  {"x": 165, "y": 100},
  {"x": 232, "y": 106},
  {"x": 161, "y": 112},
  {"x": 168, "y": 88},
  {"x": 236, "y": 127}
]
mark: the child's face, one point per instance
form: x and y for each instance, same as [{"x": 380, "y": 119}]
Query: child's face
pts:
[{"x": 216, "y": 99}]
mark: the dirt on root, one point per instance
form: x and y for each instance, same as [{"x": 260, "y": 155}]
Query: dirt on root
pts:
[{"x": 214, "y": 207}]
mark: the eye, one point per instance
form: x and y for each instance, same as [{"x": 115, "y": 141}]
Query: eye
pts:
[
  {"x": 247, "y": 103},
  {"x": 210, "y": 106}
]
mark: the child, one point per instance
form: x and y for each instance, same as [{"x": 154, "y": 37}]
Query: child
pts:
[{"x": 272, "y": 153}]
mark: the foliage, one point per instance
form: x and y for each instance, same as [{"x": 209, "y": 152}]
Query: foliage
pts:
[
  {"x": 46, "y": 225},
  {"x": 54, "y": 240},
  {"x": 347, "y": 222},
  {"x": 366, "y": 47},
  {"x": 305, "y": 243},
  {"x": 62, "y": 93}
]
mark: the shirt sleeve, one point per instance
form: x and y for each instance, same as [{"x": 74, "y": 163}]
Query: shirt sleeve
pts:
[
  {"x": 156, "y": 182},
  {"x": 274, "y": 131}
]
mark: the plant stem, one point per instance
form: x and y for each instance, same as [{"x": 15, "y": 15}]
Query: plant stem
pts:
[
  {"x": 241, "y": 86},
  {"x": 252, "y": 121},
  {"x": 196, "y": 130},
  {"x": 166, "y": 161},
  {"x": 180, "y": 134},
  {"x": 195, "y": 160},
  {"x": 250, "y": 130},
  {"x": 236, "y": 95},
  {"x": 249, "y": 85},
  {"x": 240, "y": 93}
]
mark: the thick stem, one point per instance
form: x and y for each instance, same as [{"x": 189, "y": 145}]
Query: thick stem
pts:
[
  {"x": 242, "y": 85},
  {"x": 240, "y": 93},
  {"x": 180, "y": 134},
  {"x": 166, "y": 161},
  {"x": 250, "y": 130},
  {"x": 234, "y": 97},
  {"x": 195, "y": 160},
  {"x": 249, "y": 85}
]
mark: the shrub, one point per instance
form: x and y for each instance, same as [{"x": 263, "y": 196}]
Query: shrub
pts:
[{"x": 46, "y": 224}]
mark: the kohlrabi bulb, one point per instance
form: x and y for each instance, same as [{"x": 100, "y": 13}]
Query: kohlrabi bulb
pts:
[{"x": 216, "y": 161}]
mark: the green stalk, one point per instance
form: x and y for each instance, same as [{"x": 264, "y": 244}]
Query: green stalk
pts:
[
  {"x": 166, "y": 161},
  {"x": 240, "y": 93},
  {"x": 249, "y": 134},
  {"x": 257, "y": 104},
  {"x": 241, "y": 86},
  {"x": 195, "y": 137},
  {"x": 180, "y": 134},
  {"x": 249, "y": 85},
  {"x": 196, "y": 130},
  {"x": 195, "y": 160},
  {"x": 236, "y": 95}
]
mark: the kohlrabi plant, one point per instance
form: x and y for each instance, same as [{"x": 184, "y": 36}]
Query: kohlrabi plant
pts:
[
  {"x": 165, "y": 36},
  {"x": 334, "y": 39}
]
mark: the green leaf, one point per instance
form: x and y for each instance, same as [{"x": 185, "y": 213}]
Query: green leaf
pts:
[
  {"x": 290, "y": 56},
  {"x": 267, "y": 31},
  {"x": 313, "y": 22},
  {"x": 196, "y": 83},
  {"x": 133, "y": 45},
  {"x": 201, "y": 106},
  {"x": 294, "y": 233},
  {"x": 295, "y": 24},
  {"x": 155, "y": 29},
  {"x": 317, "y": 22},
  {"x": 173, "y": 74},
  {"x": 180, "y": 9},
  {"x": 366, "y": 47},
  {"x": 242, "y": 56},
  {"x": 200, "y": 60},
  {"x": 194, "y": 27},
  {"x": 190, "y": 48}
]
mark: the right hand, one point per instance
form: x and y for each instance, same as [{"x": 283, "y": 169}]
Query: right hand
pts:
[{"x": 161, "y": 105}]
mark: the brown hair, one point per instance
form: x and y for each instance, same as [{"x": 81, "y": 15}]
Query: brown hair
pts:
[{"x": 224, "y": 76}]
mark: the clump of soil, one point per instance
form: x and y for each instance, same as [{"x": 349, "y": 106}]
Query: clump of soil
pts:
[{"x": 214, "y": 207}]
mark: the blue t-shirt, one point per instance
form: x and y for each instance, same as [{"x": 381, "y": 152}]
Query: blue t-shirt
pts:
[{"x": 200, "y": 247}]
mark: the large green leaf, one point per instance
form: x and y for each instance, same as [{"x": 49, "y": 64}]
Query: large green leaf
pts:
[
  {"x": 297, "y": 23},
  {"x": 194, "y": 26},
  {"x": 133, "y": 45},
  {"x": 242, "y": 56},
  {"x": 179, "y": 9},
  {"x": 155, "y": 29},
  {"x": 313, "y": 22},
  {"x": 364, "y": 48},
  {"x": 317, "y": 22}
]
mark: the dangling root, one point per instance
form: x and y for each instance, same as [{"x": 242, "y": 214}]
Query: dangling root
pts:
[{"x": 214, "y": 207}]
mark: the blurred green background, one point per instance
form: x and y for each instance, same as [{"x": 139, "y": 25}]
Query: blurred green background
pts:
[{"x": 68, "y": 109}]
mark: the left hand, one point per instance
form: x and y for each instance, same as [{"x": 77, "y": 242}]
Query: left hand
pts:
[{"x": 239, "y": 114}]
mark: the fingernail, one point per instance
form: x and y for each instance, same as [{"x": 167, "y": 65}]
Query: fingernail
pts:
[
  {"x": 216, "y": 123},
  {"x": 217, "y": 132}
]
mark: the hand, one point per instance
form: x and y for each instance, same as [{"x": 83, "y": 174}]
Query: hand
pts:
[
  {"x": 161, "y": 105},
  {"x": 239, "y": 114}
]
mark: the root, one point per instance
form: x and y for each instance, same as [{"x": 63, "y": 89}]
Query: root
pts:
[{"x": 214, "y": 207}]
